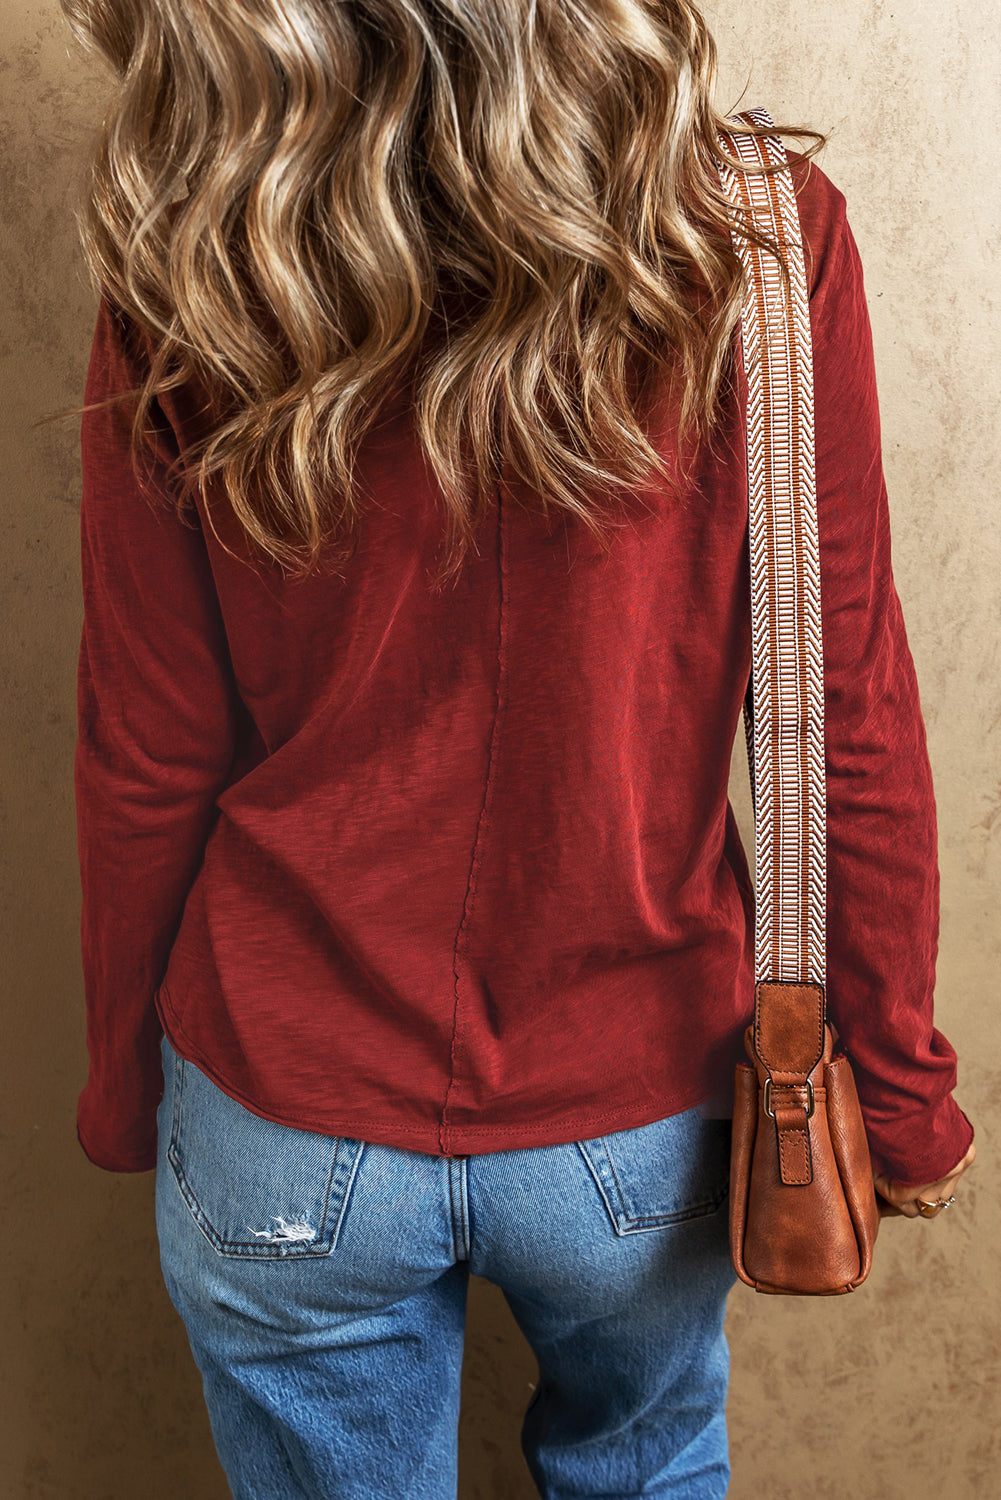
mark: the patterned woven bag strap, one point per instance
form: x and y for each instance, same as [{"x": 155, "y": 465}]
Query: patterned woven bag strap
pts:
[{"x": 784, "y": 710}]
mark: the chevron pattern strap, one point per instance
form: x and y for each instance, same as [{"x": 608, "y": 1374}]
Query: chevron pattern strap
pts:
[{"x": 784, "y": 719}]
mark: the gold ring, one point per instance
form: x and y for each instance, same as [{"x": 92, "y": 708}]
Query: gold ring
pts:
[{"x": 929, "y": 1210}]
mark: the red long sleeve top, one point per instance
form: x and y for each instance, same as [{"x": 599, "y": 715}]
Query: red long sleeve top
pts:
[{"x": 459, "y": 872}]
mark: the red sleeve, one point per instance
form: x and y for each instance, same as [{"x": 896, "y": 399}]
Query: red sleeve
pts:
[
  {"x": 157, "y": 710},
  {"x": 882, "y": 863}
]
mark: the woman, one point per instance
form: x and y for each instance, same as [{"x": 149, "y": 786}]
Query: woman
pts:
[{"x": 416, "y": 635}]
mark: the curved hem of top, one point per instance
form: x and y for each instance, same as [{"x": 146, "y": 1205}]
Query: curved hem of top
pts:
[{"x": 377, "y": 1133}]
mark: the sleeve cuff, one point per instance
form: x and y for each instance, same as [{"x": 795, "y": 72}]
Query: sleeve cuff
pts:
[
  {"x": 923, "y": 1147},
  {"x": 132, "y": 1160}
]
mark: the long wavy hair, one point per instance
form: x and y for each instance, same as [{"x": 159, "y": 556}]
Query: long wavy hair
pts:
[{"x": 512, "y": 203}]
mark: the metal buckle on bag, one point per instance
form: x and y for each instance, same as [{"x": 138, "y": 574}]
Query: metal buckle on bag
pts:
[{"x": 768, "y": 1094}]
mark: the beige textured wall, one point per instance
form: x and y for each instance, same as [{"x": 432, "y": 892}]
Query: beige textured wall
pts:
[{"x": 898, "y": 1383}]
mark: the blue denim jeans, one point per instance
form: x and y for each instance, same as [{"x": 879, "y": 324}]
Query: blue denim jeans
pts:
[{"x": 322, "y": 1282}]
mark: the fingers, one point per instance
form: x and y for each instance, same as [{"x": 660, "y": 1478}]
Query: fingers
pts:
[{"x": 903, "y": 1199}]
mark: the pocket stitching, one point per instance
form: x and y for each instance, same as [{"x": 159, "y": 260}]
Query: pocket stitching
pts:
[
  {"x": 626, "y": 1223},
  {"x": 239, "y": 1248},
  {"x": 356, "y": 1149}
]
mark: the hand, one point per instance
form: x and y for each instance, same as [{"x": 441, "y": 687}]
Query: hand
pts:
[{"x": 893, "y": 1198}]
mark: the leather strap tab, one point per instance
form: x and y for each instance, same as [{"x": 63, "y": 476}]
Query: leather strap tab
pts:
[
  {"x": 789, "y": 1040},
  {"x": 789, "y": 1026},
  {"x": 795, "y": 1155}
]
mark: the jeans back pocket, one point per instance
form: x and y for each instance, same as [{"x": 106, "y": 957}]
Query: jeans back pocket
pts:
[
  {"x": 253, "y": 1186},
  {"x": 654, "y": 1175}
]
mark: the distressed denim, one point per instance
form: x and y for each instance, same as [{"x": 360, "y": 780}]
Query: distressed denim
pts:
[{"x": 322, "y": 1282}]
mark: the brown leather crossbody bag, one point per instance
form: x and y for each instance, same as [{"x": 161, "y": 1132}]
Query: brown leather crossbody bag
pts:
[{"x": 803, "y": 1208}]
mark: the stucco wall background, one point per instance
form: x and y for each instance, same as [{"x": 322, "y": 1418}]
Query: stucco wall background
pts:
[{"x": 897, "y": 1385}]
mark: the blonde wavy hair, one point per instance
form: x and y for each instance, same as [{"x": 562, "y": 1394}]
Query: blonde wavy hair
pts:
[{"x": 513, "y": 202}]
